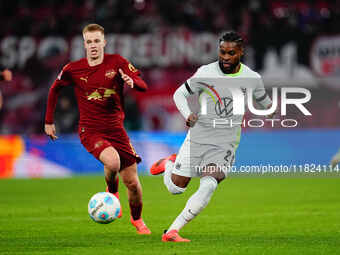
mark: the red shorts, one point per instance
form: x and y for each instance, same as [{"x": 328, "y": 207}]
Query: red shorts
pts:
[{"x": 95, "y": 142}]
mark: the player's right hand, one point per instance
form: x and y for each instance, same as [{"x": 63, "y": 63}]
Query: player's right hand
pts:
[
  {"x": 7, "y": 74},
  {"x": 191, "y": 120},
  {"x": 50, "y": 131}
]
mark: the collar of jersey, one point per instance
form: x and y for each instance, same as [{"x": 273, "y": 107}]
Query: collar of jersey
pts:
[{"x": 235, "y": 74}]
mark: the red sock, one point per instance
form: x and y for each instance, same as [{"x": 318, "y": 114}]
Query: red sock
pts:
[
  {"x": 136, "y": 210},
  {"x": 112, "y": 185}
]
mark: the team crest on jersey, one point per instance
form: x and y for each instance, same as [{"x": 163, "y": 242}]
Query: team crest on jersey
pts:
[
  {"x": 132, "y": 68},
  {"x": 110, "y": 73},
  {"x": 95, "y": 96},
  {"x": 224, "y": 109}
]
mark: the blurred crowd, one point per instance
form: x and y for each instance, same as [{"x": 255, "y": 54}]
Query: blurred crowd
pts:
[
  {"x": 67, "y": 17},
  {"x": 261, "y": 23}
]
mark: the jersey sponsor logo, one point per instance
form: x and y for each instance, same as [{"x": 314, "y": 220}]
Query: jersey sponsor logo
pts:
[
  {"x": 84, "y": 78},
  {"x": 101, "y": 94},
  {"x": 132, "y": 68},
  {"x": 110, "y": 73},
  {"x": 109, "y": 92},
  {"x": 95, "y": 96}
]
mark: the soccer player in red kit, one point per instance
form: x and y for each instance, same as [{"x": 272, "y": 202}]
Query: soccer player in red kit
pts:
[{"x": 98, "y": 81}]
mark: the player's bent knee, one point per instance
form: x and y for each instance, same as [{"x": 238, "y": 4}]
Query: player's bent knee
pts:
[
  {"x": 112, "y": 165},
  {"x": 132, "y": 186},
  {"x": 174, "y": 189}
]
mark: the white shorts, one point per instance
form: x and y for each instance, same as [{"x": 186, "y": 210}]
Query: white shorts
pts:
[{"x": 193, "y": 157}]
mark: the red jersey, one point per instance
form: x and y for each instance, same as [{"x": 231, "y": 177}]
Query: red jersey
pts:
[{"x": 98, "y": 89}]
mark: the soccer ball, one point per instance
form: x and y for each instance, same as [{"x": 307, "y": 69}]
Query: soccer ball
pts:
[{"x": 103, "y": 207}]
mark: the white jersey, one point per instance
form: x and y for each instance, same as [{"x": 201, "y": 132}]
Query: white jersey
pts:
[{"x": 216, "y": 122}]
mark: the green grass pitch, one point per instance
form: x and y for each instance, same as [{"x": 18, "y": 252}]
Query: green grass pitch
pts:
[{"x": 245, "y": 216}]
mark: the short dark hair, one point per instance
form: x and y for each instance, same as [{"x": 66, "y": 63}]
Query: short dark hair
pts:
[{"x": 231, "y": 36}]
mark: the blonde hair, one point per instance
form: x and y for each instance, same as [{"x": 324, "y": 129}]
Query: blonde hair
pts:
[{"x": 93, "y": 28}]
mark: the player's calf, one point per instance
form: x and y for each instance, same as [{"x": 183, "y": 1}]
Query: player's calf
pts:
[
  {"x": 130, "y": 179},
  {"x": 112, "y": 187},
  {"x": 133, "y": 186},
  {"x": 196, "y": 203}
]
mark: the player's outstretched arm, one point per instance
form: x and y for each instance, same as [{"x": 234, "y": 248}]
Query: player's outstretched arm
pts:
[
  {"x": 49, "y": 115},
  {"x": 61, "y": 81},
  {"x": 51, "y": 131}
]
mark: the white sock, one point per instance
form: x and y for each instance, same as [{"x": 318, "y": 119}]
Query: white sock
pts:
[{"x": 196, "y": 203}]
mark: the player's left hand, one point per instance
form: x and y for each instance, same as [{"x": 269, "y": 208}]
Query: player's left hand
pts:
[{"x": 127, "y": 79}]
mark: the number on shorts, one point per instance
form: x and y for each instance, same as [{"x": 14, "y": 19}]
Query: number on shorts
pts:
[{"x": 229, "y": 158}]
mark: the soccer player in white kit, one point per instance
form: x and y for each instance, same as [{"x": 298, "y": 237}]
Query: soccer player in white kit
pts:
[{"x": 207, "y": 148}]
